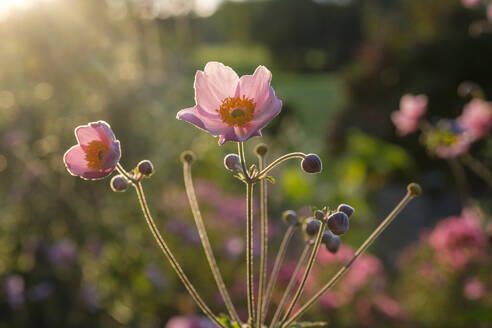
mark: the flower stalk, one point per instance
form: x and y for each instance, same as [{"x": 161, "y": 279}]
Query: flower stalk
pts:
[{"x": 278, "y": 161}]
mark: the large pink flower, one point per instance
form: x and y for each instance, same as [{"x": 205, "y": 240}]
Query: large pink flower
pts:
[
  {"x": 476, "y": 118},
  {"x": 96, "y": 154},
  {"x": 412, "y": 108},
  {"x": 233, "y": 108}
]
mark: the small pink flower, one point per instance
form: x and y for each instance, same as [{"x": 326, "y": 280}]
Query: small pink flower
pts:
[
  {"x": 233, "y": 108},
  {"x": 96, "y": 154},
  {"x": 412, "y": 109},
  {"x": 471, "y": 3},
  {"x": 476, "y": 118},
  {"x": 473, "y": 289}
]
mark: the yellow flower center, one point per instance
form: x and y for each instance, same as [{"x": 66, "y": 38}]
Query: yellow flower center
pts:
[
  {"x": 94, "y": 154},
  {"x": 237, "y": 111}
]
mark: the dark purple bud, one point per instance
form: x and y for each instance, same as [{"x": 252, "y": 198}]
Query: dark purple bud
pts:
[
  {"x": 311, "y": 164},
  {"x": 319, "y": 215},
  {"x": 119, "y": 183},
  {"x": 312, "y": 226},
  {"x": 290, "y": 217},
  {"x": 146, "y": 168},
  {"x": 331, "y": 242},
  {"x": 347, "y": 209},
  {"x": 232, "y": 162},
  {"x": 338, "y": 223}
]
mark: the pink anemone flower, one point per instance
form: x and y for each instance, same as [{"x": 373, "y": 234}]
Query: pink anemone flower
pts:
[
  {"x": 233, "y": 108},
  {"x": 96, "y": 154},
  {"x": 476, "y": 118},
  {"x": 407, "y": 118}
]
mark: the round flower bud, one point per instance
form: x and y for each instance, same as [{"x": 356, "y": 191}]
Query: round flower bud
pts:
[
  {"x": 331, "y": 242},
  {"x": 188, "y": 156},
  {"x": 145, "y": 168},
  {"x": 290, "y": 217},
  {"x": 414, "y": 189},
  {"x": 338, "y": 223},
  {"x": 347, "y": 209},
  {"x": 119, "y": 183},
  {"x": 261, "y": 149},
  {"x": 312, "y": 226},
  {"x": 232, "y": 162},
  {"x": 311, "y": 164},
  {"x": 319, "y": 215}
]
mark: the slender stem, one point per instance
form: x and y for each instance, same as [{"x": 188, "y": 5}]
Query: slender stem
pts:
[
  {"x": 481, "y": 170},
  {"x": 240, "y": 150},
  {"x": 123, "y": 172},
  {"x": 172, "y": 260},
  {"x": 249, "y": 251},
  {"x": 278, "y": 161},
  {"x": 312, "y": 258},
  {"x": 190, "y": 192},
  {"x": 459, "y": 174},
  {"x": 276, "y": 268},
  {"x": 291, "y": 284},
  {"x": 264, "y": 242},
  {"x": 361, "y": 250}
]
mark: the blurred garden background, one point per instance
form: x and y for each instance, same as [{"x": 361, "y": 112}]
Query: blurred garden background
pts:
[{"x": 75, "y": 254}]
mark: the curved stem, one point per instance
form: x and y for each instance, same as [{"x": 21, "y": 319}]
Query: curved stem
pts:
[
  {"x": 264, "y": 242},
  {"x": 278, "y": 161},
  {"x": 249, "y": 251},
  {"x": 312, "y": 258},
  {"x": 172, "y": 260},
  {"x": 190, "y": 192},
  {"x": 289, "y": 287},
  {"x": 478, "y": 168},
  {"x": 123, "y": 172},
  {"x": 361, "y": 250},
  {"x": 276, "y": 268}
]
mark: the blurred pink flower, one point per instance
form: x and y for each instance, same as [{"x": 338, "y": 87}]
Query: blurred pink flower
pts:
[
  {"x": 471, "y": 3},
  {"x": 388, "y": 306},
  {"x": 13, "y": 287},
  {"x": 96, "y": 154},
  {"x": 64, "y": 252},
  {"x": 458, "y": 240},
  {"x": 473, "y": 289},
  {"x": 489, "y": 12},
  {"x": 412, "y": 109},
  {"x": 231, "y": 107},
  {"x": 476, "y": 118},
  {"x": 189, "y": 322},
  {"x": 457, "y": 148}
]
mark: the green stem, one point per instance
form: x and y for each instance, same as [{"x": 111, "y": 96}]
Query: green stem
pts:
[
  {"x": 264, "y": 242},
  {"x": 291, "y": 284},
  {"x": 312, "y": 258},
  {"x": 481, "y": 170},
  {"x": 276, "y": 268},
  {"x": 123, "y": 172},
  {"x": 278, "y": 161},
  {"x": 240, "y": 150},
  {"x": 249, "y": 251},
  {"x": 361, "y": 250},
  {"x": 190, "y": 191},
  {"x": 172, "y": 260}
]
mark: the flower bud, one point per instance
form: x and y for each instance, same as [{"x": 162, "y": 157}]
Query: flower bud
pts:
[
  {"x": 347, "y": 209},
  {"x": 312, "y": 226},
  {"x": 338, "y": 223},
  {"x": 414, "y": 189},
  {"x": 311, "y": 163},
  {"x": 119, "y": 183},
  {"x": 146, "y": 168},
  {"x": 188, "y": 156},
  {"x": 290, "y": 218},
  {"x": 261, "y": 149},
  {"x": 319, "y": 215},
  {"x": 331, "y": 242},
  {"x": 232, "y": 162}
]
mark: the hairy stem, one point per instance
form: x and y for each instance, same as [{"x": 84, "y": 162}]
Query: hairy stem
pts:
[
  {"x": 278, "y": 161},
  {"x": 249, "y": 251},
  {"x": 264, "y": 242},
  {"x": 172, "y": 260},
  {"x": 276, "y": 268},
  {"x": 291, "y": 284},
  {"x": 478, "y": 168},
  {"x": 240, "y": 150},
  {"x": 361, "y": 250},
  {"x": 312, "y": 258},
  {"x": 190, "y": 192}
]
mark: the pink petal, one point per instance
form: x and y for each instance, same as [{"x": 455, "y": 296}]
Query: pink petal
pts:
[
  {"x": 256, "y": 86},
  {"x": 112, "y": 157},
  {"x": 203, "y": 120},
  {"x": 213, "y": 85},
  {"x": 76, "y": 164},
  {"x": 95, "y": 131}
]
